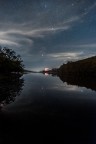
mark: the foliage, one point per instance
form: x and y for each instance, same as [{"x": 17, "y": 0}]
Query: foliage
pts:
[
  {"x": 9, "y": 61},
  {"x": 85, "y": 67},
  {"x": 10, "y": 87}
]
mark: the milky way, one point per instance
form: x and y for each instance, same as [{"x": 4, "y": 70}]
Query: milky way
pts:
[{"x": 47, "y": 33}]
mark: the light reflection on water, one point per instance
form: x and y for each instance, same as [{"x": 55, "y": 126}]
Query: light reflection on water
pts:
[
  {"x": 50, "y": 109},
  {"x": 41, "y": 90}
]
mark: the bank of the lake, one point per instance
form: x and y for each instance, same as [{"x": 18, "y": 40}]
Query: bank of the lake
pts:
[{"x": 81, "y": 68}]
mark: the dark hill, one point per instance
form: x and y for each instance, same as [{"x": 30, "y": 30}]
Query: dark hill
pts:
[{"x": 85, "y": 67}]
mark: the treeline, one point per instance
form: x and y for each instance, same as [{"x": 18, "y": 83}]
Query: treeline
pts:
[
  {"x": 10, "y": 61},
  {"x": 82, "y": 68}
]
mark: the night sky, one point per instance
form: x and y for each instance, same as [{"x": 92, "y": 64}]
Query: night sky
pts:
[{"x": 48, "y": 33}]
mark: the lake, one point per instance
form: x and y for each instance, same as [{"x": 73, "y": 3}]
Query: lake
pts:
[{"x": 42, "y": 108}]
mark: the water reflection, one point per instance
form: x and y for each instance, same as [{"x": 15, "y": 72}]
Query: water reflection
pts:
[
  {"x": 10, "y": 87},
  {"x": 47, "y": 106},
  {"x": 88, "y": 82}
]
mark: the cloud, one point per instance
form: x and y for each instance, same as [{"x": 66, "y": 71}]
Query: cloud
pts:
[
  {"x": 14, "y": 38},
  {"x": 66, "y": 56},
  {"x": 23, "y": 37},
  {"x": 88, "y": 45},
  {"x": 40, "y": 32},
  {"x": 71, "y": 20},
  {"x": 33, "y": 20},
  {"x": 89, "y": 9},
  {"x": 8, "y": 43},
  {"x": 47, "y": 33}
]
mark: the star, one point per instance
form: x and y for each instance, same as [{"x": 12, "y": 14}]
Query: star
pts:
[
  {"x": 85, "y": 9},
  {"x": 73, "y": 4},
  {"x": 45, "y": 6}
]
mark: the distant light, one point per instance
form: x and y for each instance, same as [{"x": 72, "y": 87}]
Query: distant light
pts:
[{"x": 46, "y": 69}]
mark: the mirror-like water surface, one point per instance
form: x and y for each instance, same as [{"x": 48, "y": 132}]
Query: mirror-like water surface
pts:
[
  {"x": 45, "y": 103},
  {"x": 42, "y": 92}
]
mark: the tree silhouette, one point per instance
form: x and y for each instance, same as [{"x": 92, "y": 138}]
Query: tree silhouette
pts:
[
  {"x": 11, "y": 86},
  {"x": 9, "y": 61}
]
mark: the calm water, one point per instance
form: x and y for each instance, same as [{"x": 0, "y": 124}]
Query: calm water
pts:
[{"x": 45, "y": 109}]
